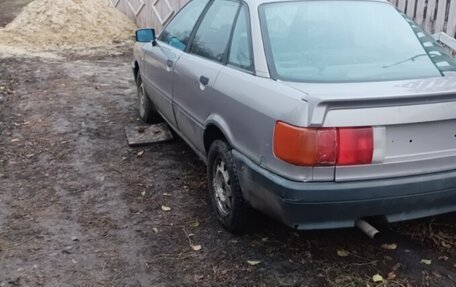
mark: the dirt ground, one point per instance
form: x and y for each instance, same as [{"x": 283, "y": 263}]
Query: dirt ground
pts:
[
  {"x": 9, "y": 9},
  {"x": 78, "y": 207}
]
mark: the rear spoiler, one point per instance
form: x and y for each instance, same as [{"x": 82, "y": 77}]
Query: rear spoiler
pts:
[{"x": 374, "y": 109}]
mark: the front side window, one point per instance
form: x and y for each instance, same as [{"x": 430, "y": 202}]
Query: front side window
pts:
[
  {"x": 177, "y": 33},
  {"x": 342, "y": 41},
  {"x": 240, "y": 50},
  {"x": 212, "y": 36}
]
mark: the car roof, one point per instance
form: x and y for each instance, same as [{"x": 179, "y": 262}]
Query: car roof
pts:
[{"x": 259, "y": 2}]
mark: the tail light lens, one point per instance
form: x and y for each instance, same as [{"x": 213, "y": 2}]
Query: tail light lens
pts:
[
  {"x": 323, "y": 146},
  {"x": 356, "y": 146}
]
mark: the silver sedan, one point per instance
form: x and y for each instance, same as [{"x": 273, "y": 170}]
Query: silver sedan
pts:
[{"x": 317, "y": 113}]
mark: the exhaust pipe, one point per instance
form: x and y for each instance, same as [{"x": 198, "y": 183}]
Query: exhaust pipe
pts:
[{"x": 366, "y": 228}]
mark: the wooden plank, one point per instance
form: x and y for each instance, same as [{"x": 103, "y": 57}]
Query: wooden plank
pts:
[
  {"x": 411, "y": 8},
  {"x": 430, "y": 12},
  {"x": 401, "y": 5},
  {"x": 451, "y": 25},
  {"x": 420, "y": 8},
  {"x": 440, "y": 20},
  {"x": 145, "y": 135},
  {"x": 446, "y": 39},
  {"x": 156, "y": 13}
]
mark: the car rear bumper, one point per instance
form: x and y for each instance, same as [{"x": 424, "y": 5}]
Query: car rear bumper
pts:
[{"x": 321, "y": 205}]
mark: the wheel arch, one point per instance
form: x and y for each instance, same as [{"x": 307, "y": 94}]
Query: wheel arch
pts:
[
  {"x": 136, "y": 70},
  {"x": 216, "y": 128}
]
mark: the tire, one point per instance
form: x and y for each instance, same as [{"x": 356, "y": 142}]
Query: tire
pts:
[
  {"x": 230, "y": 208},
  {"x": 147, "y": 111}
]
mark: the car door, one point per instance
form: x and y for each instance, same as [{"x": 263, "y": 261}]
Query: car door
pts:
[
  {"x": 196, "y": 71},
  {"x": 161, "y": 57}
]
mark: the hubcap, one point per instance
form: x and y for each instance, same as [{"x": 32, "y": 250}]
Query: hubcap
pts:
[
  {"x": 222, "y": 188},
  {"x": 142, "y": 99}
]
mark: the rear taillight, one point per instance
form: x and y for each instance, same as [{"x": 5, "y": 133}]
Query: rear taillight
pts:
[
  {"x": 323, "y": 146},
  {"x": 356, "y": 146}
]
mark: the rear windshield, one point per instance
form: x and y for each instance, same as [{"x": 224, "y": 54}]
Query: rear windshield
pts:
[{"x": 347, "y": 41}]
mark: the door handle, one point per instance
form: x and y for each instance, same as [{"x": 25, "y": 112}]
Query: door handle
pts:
[
  {"x": 204, "y": 80},
  {"x": 170, "y": 63}
]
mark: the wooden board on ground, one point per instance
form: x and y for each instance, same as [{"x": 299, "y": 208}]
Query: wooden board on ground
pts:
[{"x": 140, "y": 135}]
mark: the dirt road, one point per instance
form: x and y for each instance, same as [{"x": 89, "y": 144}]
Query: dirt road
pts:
[{"x": 78, "y": 207}]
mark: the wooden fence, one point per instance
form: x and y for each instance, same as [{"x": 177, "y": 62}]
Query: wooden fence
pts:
[
  {"x": 149, "y": 13},
  {"x": 433, "y": 15}
]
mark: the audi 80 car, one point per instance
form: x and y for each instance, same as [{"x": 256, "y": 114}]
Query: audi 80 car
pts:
[{"x": 317, "y": 113}]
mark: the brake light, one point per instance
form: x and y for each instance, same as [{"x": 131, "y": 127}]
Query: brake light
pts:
[
  {"x": 356, "y": 146},
  {"x": 323, "y": 146}
]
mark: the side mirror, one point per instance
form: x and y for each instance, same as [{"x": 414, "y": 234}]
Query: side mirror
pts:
[{"x": 145, "y": 35}]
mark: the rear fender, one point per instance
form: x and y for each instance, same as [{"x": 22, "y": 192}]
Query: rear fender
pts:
[{"x": 218, "y": 121}]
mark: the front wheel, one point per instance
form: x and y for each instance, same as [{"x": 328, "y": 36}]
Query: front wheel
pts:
[
  {"x": 229, "y": 205},
  {"x": 147, "y": 111}
]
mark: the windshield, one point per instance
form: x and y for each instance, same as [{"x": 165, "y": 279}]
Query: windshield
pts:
[{"x": 346, "y": 41}]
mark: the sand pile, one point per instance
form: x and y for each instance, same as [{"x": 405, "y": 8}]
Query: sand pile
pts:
[{"x": 67, "y": 23}]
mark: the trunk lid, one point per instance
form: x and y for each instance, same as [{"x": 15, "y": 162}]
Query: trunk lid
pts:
[{"x": 418, "y": 116}]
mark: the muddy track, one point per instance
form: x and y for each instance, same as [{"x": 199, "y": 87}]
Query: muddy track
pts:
[{"x": 78, "y": 207}]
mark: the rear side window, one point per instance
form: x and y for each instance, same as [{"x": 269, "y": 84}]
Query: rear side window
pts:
[
  {"x": 177, "y": 33},
  {"x": 240, "y": 50},
  {"x": 212, "y": 36},
  {"x": 342, "y": 41}
]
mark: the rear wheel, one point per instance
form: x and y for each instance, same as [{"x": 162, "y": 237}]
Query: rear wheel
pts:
[
  {"x": 147, "y": 111},
  {"x": 229, "y": 205}
]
